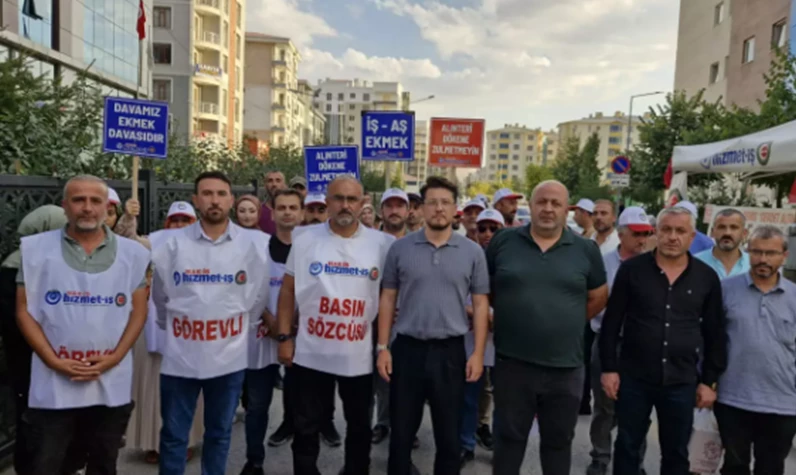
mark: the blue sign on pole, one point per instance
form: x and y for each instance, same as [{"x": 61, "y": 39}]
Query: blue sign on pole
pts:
[
  {"x": 620, "y": 165},
  {"x": 388, "y": 135},
  {"x": 325, "y": 162},
  {"x": 136, "y": 127}
]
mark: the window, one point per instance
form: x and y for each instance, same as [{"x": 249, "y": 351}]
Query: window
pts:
[
  {"x": 714, "y": 73},
  {"x": 237, "y": 110},
  {"x": 504, "y": 136},
  {"x": 504, "y": 146},
  {"x": 161, "y": 17},
  {"x": 352, "y": 118},
  {"x": 493, "y": 146},
  {"x": 224, "y": 103},
  {"x": 492, "y": 167},
  {"x": 353, "y": 95},
  {"x": 328, "y": 96},
  {"x": 616, "y": 128},
  {"x": 515, "y": 157},
  {"x": 225, "y": 33},
  {"x": 749, "y": 50},
  {"x": 515, "y": 167},
  {"x": 238, "y": 14},
  {"x": 718, "y": 14},
  {"x": 161, "y": 53},
  {"x": 493, "y": 157},
  {"x": 779, "y": 36},
  {"x": 341, "y": 97},
  {"x": 503, "y": 156},
  {"x": 614, "y": 140},
  {"x": 328, "y": 108},
  {"x": 238, "y": 46},
  {"x": 516, "y": 136},
  {"x": 351, "y": 106},
  {"x": 366, "y": 97},
  {"x": 516, "y": 146},
  {"x": 530, "y": 148},
  {"x": 238, "y": 78},
  {"x": 161, "y": 90}
]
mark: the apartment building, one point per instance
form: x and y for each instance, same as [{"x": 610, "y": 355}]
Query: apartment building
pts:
[
  {"x": 313, "y": 121},
  {"x": 274, "y": 102},
  {"x": 612, "y": 130},
  {"x": 418, "y": 169},
  {"x": 98, "y": 38},
  {"x": 509, "y": 150},
  {"x": 198, "y": 53},
  {"x": 725, "y": 47}
]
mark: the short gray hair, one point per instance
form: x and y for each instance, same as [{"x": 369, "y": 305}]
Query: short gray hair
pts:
[
  {"x": 768, "y": 231},
  {"x": 89, "y": 178},
  {"x": 728, "y": 213},
  {"x": 676, "y": 211}
]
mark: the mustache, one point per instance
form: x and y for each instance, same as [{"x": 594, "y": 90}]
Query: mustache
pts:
[{"x": 727, "y": 237}]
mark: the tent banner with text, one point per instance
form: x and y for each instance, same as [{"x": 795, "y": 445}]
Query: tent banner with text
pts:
[
  {"x": 779, "y": 217},
  {"x": 456, "y": 143}
]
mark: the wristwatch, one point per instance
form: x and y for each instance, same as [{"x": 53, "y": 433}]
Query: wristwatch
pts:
[
  {"x": 282, "y": 337},
  {"x": 380, "y": 348}
]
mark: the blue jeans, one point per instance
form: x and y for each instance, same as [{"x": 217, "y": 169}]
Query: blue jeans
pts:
[
  {"x": 674, "y": 406},
  {"x": 259, "y": 391},
  {"x": 177, "y": 407},
  {"x": 469, "y": 418}
]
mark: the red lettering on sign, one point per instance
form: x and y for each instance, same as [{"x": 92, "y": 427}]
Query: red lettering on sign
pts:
[
  {"x": 212, "y": 330},
  {"x": 199, "y": 330},
  {"x": 340, "y": 331},
  {"x": 342, "y": 307},
  {"x": 207, "y": 330}
]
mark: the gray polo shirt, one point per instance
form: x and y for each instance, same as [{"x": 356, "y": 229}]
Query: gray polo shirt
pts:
[
  {"x": 761, "y": 350},
  {"x": 75, "y": 256},
  {"x": 433, "y": 284}
]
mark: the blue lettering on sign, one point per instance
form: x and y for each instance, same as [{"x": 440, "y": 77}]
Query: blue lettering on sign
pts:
[
  {"x": 388, "y": 135},
  {"x": 744, "y": 156},
  {"x": 343, "y": 269},
  {"x": 194, "y": 277},
  {"x": 54, "y": 297},
  {"x": 324, "y": 163},
  {"x": 136, "y": 127}
]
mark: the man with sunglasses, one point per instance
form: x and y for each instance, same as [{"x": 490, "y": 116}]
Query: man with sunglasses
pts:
[
  {"x": 472, "y": 209},
  {"x": 634, "y": 230},
  {"x": 489, "y": 221}
]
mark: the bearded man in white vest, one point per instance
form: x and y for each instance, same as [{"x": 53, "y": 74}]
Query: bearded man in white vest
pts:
[
  {"x": 81, "y": 304},
  {"x": 210, "y": 289},
  {"x": 334, "y": 273}
]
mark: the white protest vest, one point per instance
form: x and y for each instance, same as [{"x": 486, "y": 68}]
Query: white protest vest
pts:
[
  {"x": 469, "y": 342},
  {"x": 155, "y": 337},
  {"x": 263, "y": 348},
  {"x": 212, "y": 290},
  {"x": 337, "y": 289},
  {"x": 81, "y": 315}
]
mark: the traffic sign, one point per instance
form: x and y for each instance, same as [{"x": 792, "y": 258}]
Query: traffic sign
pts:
[
  {"x": 325, "y": 162},
  {"x": 136, "y": 127},
  {"x": 619, "y": 180},
  {"x": 620, "y": 165},
  {"x": 388, "y": 135}
]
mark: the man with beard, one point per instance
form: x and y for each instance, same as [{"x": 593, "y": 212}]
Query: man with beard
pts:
[
  {"x": 604, "y": 219},
  {"x": 470, "y": 216},
  {"x": 333, "y": 273},
  {"x": 756, "y": 406},
  {"x": 505, "y": 201},
  {"x": 584, "y": 211},
  {"x": 415, "y": 219},
  {"x": 315, "y": 208},
  {"x": 727, "y": 258},
  {"x": 209, "y": 284},
  {"x": 274, "y": 181},
  {"x": 299, "y": 183},
  {"x": 431, "y": 272}
]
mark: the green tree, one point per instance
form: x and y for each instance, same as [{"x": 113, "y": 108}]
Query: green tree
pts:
[
  {"x": 397, "y": 180},
  {"x": 288, "y": 160},
  {"x": 588, "y": 171},
  {"x": 372, "y": 181},
  {"x": 535, "y": 174},
  {"x": 487, "y": 188},
  {"x": 566, "y": 168}
]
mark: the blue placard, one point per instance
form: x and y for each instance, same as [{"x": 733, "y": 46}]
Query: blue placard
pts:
[
  {"x": 620, "y": 165},
  {"x": 325, "y": 162},
  {"x": 136, "y": 127},
  {"x": 388, "y": 135}
]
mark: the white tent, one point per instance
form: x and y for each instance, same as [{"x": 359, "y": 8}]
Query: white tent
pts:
[{"x": 766, "y": 153}]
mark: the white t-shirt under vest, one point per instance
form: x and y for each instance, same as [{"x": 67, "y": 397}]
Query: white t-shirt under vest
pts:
[
  {"x": 263, "y": 348},
  {"x": 337, "y": 284},
  {"x": 208, "y": 295},
  {"x": 81, "y": 315},
  {"x": 155, "y": 336}
]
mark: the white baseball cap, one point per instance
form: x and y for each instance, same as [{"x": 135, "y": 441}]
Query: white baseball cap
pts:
[
  {"x": 505, "y": 193},
  {"x": 586, "y": 205},
  {"x": 474, "y": 202},
  {"x": 394, "y": 193},
  {"x": 483, "y": 199},
  {"x": 635, "y": 218},
  {"x": 691, "y": 207},
  {"x": 314, "y": 199},
  {"x": 181, "y": 208},
  {"x": 113, "y": 197},
  {"x": 491, "y": 215}
]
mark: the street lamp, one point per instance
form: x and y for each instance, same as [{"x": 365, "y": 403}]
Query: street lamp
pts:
[
  {"x": 428, "y": 98},
  {"x": 387, "y": 165},
  {"x": 630, "y": 115}
]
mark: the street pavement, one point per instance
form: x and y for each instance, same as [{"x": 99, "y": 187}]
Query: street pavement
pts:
[{"x": 278, "y": 460}]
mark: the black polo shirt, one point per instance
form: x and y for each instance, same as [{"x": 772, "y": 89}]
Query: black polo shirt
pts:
[{"x": 539, "y": 298}]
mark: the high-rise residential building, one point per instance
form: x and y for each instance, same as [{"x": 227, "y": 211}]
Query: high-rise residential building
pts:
[
  {"x": 418, "y": 168},
  {"x": 273, "y": 110},
  {"x": 509, "y": 151},
  {"x": 198, "y": 53},
  {"x": 313, "y": 121},
  {"x": 725, "y": 47},
  {"x": 97, "y": 37}
]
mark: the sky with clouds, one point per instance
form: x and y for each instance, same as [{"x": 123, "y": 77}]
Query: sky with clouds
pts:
[{"x": 532, "y": 62}]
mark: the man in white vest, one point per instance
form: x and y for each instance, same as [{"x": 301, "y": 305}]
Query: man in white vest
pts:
[
  {"x": 81, "y": 304},
  {"x": 209, "y": 287},
  {"x": 263, "y": 370},
  {"x": 334, "y": 273}
]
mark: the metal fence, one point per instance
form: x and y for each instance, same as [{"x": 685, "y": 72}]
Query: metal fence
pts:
[{"x": 19, "y": 195}]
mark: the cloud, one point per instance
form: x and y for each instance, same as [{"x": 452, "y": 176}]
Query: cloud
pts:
[
  {"x": 355, "y": 10},
  {"x": 288, "y": 18}
]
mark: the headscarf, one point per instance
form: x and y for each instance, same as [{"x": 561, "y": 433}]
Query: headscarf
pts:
[
  {"x": 42, "y": 219},
  {"x": 253, "y": 199}
]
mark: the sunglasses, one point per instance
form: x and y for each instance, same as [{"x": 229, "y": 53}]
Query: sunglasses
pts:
[{"x": 484, "y": 228}]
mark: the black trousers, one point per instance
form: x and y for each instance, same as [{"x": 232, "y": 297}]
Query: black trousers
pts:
[
  {"x": 313, "y": 390},
  {"x": 432, "y": 371},
  {"x": 743, "y": 433},
  {"x": 289, "y": 397},
  {"x": 588, "y": 341},
  {"x": 51, "y": 432}
]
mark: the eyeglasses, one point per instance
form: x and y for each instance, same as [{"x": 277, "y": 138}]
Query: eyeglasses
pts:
[
  {"x": 760, "y": 253},
  {"x": 483, "y": 228}
]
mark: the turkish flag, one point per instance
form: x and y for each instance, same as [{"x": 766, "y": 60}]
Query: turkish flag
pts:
[
  {"x": 667, "y": 175},
  {"x": 141, "y": 25},
  {"x": 792, "y": 194}
]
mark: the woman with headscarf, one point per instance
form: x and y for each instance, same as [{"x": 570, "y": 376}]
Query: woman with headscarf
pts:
[
  {"x": 247, "y": 212},
  {"x": 18, "y": 353},
  {"x": 143, "y": 430},
  {"x": 367, "y": 216}
]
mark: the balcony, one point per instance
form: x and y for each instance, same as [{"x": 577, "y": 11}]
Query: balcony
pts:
[
  {"x": 279, "y": 62},
  {"x": 211, "y": 7},
  {"x": 208, "y": 110},
  {"x": 277, "y": 106},
  {"x": 278, "y": 128},
  {"x": 280, "y": 84},
  {"x": 208, "y": 39}
]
